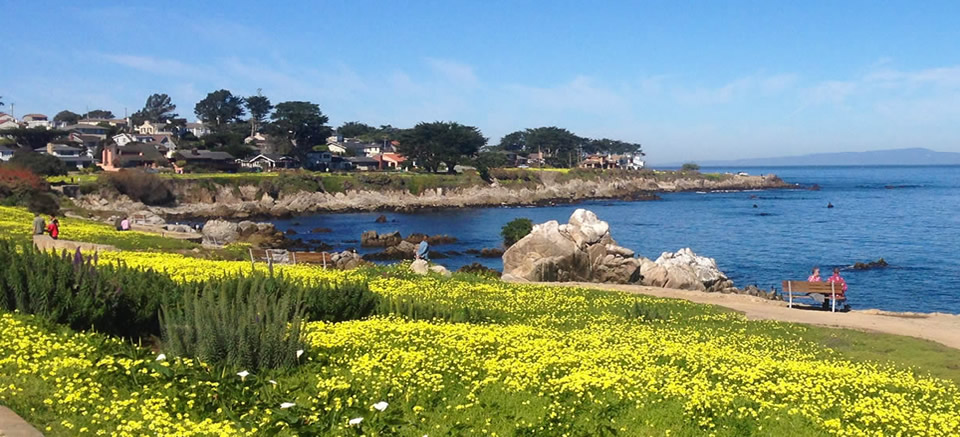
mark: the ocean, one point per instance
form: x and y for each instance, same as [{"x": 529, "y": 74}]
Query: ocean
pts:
[{"x": 909, "y": 216}]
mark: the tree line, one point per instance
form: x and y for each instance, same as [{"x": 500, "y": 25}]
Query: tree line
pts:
[{"x": 298, "y": 127}]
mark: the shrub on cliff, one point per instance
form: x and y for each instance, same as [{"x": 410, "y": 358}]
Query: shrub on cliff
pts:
[
  {"x": 516, "y": 229},
  {"x": 690, "y": 166},
  {"x": 140, "y": 186},
  {"x": 22, "y": 187}
]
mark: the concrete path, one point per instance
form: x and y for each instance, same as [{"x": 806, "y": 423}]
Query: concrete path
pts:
[
  {"x": 938, "y": 327},
  {"x": 11, "y": 425}
]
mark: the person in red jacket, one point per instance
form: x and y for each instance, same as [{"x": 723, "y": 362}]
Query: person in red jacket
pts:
[
  {"x": 53, "y": 228},
  {"x": 837, "y": 279}
]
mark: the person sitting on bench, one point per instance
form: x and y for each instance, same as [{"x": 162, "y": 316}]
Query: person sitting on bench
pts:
[{"x": 815, "y": 277}]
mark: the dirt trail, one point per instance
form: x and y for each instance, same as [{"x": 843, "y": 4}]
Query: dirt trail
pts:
[{"x": 938, "y": 327}]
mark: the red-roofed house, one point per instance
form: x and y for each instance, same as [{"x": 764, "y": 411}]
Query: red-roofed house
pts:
[{"x": 392, "y": 161}]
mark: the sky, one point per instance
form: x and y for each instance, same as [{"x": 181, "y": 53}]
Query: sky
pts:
[{"x": 688, "y": 80}]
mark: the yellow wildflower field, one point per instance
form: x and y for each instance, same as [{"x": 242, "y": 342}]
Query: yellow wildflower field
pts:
[{"x": 542, "y": 361}]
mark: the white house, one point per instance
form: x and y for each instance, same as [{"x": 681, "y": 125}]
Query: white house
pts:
[
  {"x": 72, "y": 156},
  {"x": 8, "y": 122},
  {"x": 146, "y": 128},
  {"x": 36, "y": 120},
  {"x": 198, "y": 129},
  {"x": 267, "y": 161}
]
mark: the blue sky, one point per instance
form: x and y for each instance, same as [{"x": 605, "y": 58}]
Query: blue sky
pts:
[{"x": 688, "y": 80}]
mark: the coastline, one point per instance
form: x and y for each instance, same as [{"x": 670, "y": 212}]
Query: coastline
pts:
[{"x": 250, "y": 201}]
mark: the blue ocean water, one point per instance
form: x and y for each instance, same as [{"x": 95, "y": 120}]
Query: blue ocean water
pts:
[{"x": 910, "y": 216}]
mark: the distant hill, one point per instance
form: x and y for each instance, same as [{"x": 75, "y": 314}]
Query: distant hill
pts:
[{"x": 915, "y": 156}]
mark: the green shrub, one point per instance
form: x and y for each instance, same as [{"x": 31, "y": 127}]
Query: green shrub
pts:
[
  {"x": 140, "y": 186},
  {"x": 690, "y": 166},
  {"x": 244, "y": 323},
  {"x": 516, "y": 229},
  {"x": 72, "y": 289},
  {"x": 39, "y": 163}
]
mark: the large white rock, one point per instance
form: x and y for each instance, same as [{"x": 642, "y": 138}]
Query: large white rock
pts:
[
  {"x": 420, "y": 267},
  {"x": 581, "y": 250},
  {"x": 685, "y": 267}
]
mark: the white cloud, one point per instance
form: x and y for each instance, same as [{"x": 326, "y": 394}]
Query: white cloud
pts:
[{"x": 455, "y": 72}]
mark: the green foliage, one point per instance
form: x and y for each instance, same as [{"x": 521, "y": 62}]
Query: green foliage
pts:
[
  {"x": 258, "y": 106},
  {"x": 515, "y": 229},
  {"x": 38, "y": 163},
  {"x": 289, "y": 183},
  {"x": 99, "y": 114},
  {"x": 67, "y": 117},
  {"x": 219, "y": 108},
  {"x": 246, "y": 323},
  {"x": 646, "y": 312},
  {"x": 690, "y": 166},
  {"x": 33, "y": 138},
  {"x": 72, "y": 289},
  {"x": 301, "y": 123},
  {"x": 158, "y": 109},
  {"x": 432, "y": 144},
  {"x": 140, "y": 186},
  {"x": 354, "y": 129},
  {"x": 339, "y": 302}
]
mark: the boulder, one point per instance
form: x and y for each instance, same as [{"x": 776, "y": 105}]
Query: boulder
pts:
[
  {"x": 689, "y": 271},
  {"x": 878, "y": 264},
  {"x": 347, "y": 260},
  {"x": 581, "y": 250},
  {"x": 404, "y": 250},
  {"x": 146, "y": 217},
  {"x": 247, "y": 228},
  {"x": 419, "y": 267},
  {"x": 441, "y": 270},
  {"x": 220, "y": 232},
  {"x": 373, "y": 239},
  {"x": 381, "y": 219}
]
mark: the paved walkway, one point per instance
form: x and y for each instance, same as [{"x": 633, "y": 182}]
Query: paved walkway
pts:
[
  {"x": 11, "y": 425},
  {"x": 938, "y": 327}
]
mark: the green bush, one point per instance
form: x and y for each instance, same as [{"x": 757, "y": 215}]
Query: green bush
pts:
[
  {"x": 244, "y": 323},
  {"x": 39, "y": 163},
  {"x": 72, "y": 289},
  {"x": 140, "y": 186},
  {"x": 516, "y": 229},
  {"x": 690, "y": 166}
]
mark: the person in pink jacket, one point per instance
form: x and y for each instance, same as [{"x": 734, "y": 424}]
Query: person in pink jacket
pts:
[
  {"x": 837, "y": 279},
  {"x": 815, "y": 277}
]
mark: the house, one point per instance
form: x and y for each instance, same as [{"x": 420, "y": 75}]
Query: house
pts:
[
  {"x": 598, "y": 161},
  {"x": 364, "y": 163},
  {"x": 8, "y": 122},
  {"x": 36, "y": 120},
  {"x": 87, "y": 129},
  {"x": 6, "y": 153},
  {"x": 86, "y": 141},
  {"x": 109, "y": 121},
  {"x": 72, "y": 156},
  {"x": 352, "y": 147},
  {"x": 393, "y": 161},
  {"x": 270, "y": 161},
  {"x": 135, "y": 154},
  {"x": 146, "y": 128},
  {"x": 325, "y": 161},
  {"x": 205, "y": 159},
  {"x": 631, "y": 161},
  {"x": 198, "y": 129},
  {"x": 124, "y": 139}
]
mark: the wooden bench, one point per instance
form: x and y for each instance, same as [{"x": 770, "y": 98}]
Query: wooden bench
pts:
[{"x": 829, "y": 290}]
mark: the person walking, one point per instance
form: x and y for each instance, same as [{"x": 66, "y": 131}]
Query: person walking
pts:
[
  {"x": 54, "y": 228},
  {"x": 39, "y": 225}
]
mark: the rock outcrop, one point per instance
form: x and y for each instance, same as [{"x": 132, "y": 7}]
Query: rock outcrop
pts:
[
  {"x": 373, "y": 239},
  {"x": 581, "y": 250},
  {"x": 222, "y": 232},
  {"x": 347, "y": 260},
  {"x": 224, "y": 200},
  {"x": 684, "y": 270}
]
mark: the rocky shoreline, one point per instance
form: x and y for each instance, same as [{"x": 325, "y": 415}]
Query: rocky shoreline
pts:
[{"x": 244, "y": 202}]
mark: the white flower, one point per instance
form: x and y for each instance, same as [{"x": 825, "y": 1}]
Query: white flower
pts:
[
  {"x": 161, "y": 357},
  {"x": 380, "y": 406},
  {"x": 287, "y": 404},
  {"x": 299, "y": 352},
  {"x": 243, "y": 375},
  {"x": 272, "y": 382},
  {"x": 356, "y": 421}
]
